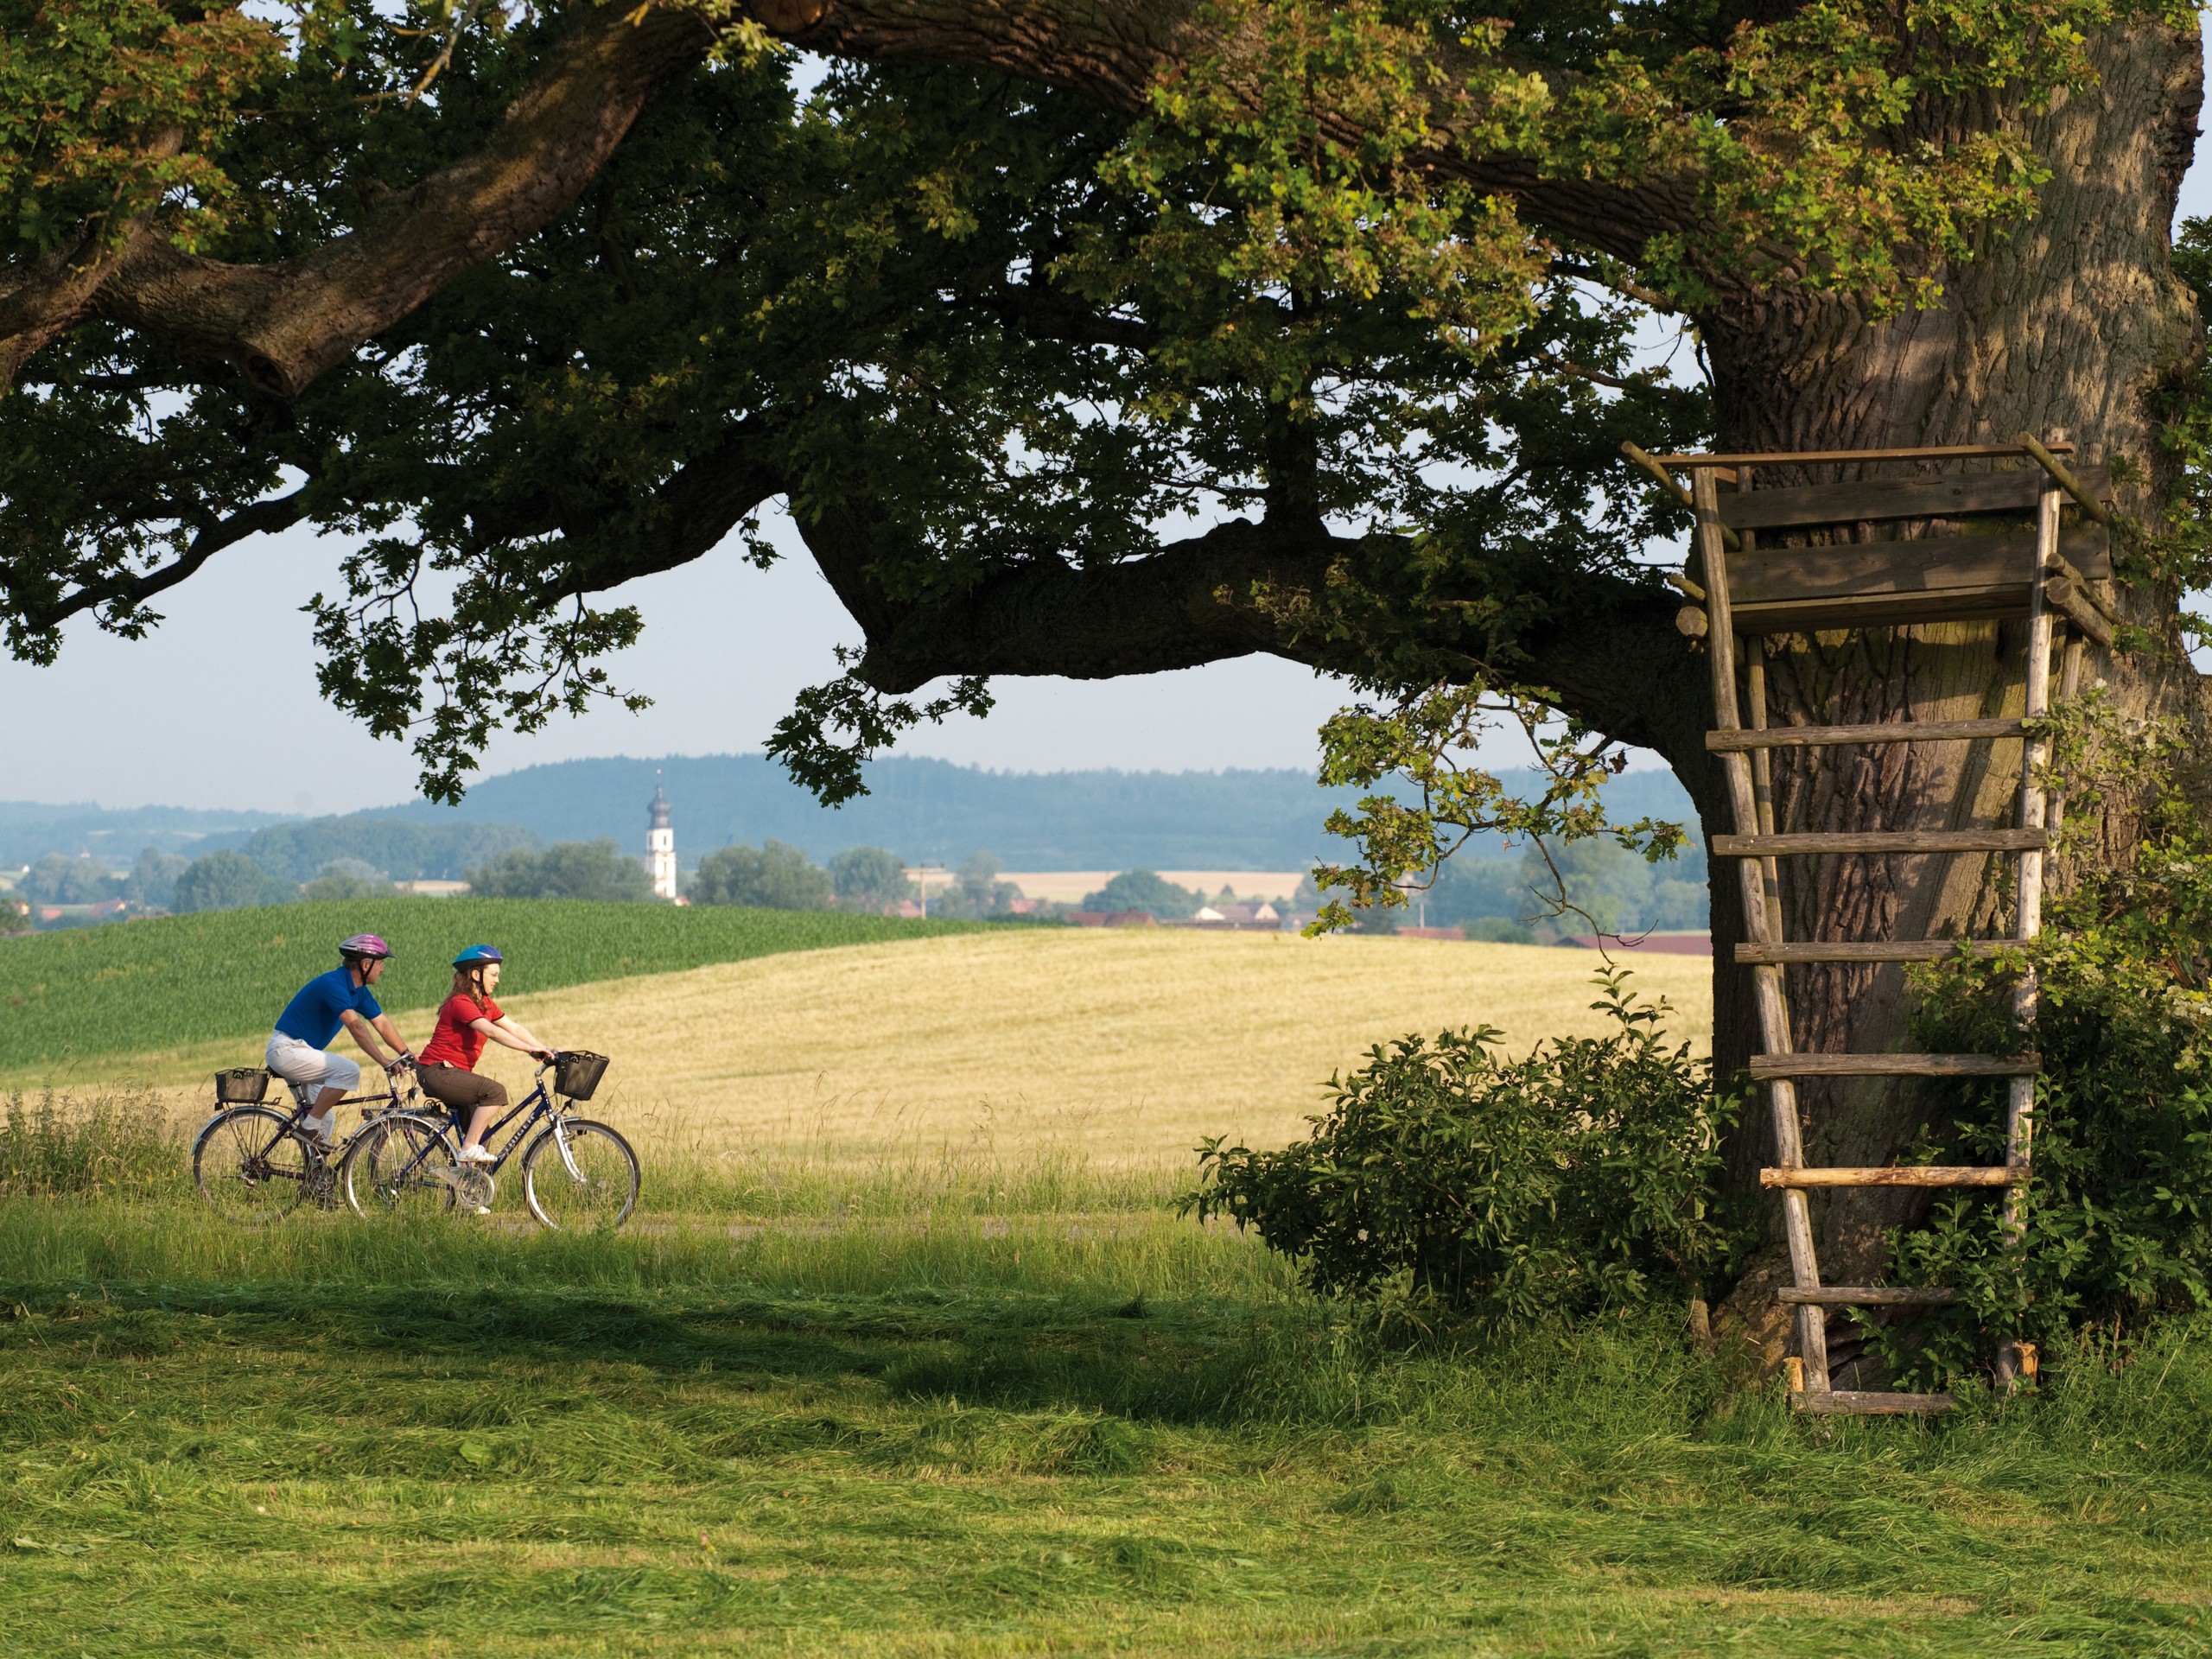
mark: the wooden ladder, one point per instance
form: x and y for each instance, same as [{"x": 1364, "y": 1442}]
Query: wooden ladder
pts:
[{"x": 2048, "y": 572}]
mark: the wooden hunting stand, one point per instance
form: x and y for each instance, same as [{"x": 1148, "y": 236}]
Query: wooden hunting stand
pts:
[{"x": 1988, "y": 544}]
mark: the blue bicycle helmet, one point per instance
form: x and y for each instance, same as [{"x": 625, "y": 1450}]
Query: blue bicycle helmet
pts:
[{"x": 478, "y": 953}]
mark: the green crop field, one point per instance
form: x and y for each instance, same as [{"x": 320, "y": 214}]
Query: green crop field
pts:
[{"x": 172, "y": 981}]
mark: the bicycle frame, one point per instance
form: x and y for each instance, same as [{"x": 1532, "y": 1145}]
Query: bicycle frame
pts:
[
  {"x": 374, "y": 1109},
  {"x": 537, "y": 1104}
]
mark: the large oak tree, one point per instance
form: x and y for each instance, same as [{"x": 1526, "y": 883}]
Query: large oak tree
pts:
[{"x": 534, "y": 304}]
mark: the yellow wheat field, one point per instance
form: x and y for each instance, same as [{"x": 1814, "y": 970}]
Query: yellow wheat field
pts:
[{"x": 1122, "y": 1045}]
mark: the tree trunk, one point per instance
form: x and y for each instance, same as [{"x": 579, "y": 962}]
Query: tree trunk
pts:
[{"x": 2071, "y": 323}]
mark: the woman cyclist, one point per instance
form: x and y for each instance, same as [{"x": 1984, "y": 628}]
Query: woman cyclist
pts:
[{"x": 447, "y": 1068}]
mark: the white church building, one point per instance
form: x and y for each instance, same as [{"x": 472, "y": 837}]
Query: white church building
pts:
[{"x": 660, "y": 846}]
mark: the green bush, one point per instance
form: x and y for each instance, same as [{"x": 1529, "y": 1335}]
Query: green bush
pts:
[
  {"x": 2115, "y": 1222},
  {"x": 1575, "y": 1180}
]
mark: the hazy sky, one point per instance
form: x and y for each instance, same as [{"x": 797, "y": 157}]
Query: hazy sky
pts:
[{"x": 219, "y": 707}]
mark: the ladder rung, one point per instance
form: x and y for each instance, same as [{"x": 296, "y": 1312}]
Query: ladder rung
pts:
[
  {"x": 1898, "y": 1175},
  {"x": 1855, "y": 1402},
  {"x": 1806, "y": 737},
  {"x": 1882, "y": 841},
  {"x": 1868, "y": 1295},
  {"x": 1764, "y": 1066},
  {"x": 1872, "y": 950}
]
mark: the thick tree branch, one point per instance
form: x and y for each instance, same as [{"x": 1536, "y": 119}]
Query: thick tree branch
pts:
[
  {"x": 124, "y": 591},
  {"x": 1113, "y": 53},
  {"x": 285, "y": 323}
]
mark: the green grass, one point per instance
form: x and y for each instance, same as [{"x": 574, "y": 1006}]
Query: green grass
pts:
[
  {"x": 177, "y": 980},
  {"x": 944, "y": 1434}
]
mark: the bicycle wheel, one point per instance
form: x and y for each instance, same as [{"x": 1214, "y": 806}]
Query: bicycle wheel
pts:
[
  {"x": 399, "y": 1167},
  {"x": 252, "y": 1166},
  {"x": 593, "y": 1189}
]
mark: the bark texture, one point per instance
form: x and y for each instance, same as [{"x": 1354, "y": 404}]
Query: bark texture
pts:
[
  {"x": 286, "y": 324},
  {"x": 2069, "y": 326}
]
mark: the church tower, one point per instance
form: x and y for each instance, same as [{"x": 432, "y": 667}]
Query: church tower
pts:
[{"x": 660, "y": 846}]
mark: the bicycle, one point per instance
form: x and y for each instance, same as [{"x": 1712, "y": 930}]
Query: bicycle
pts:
[
  {"x": 412, "y": 1164},
  {"x": 255, "y": 1164}
]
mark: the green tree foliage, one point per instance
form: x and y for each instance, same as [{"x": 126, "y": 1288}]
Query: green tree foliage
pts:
[
  {"x": 399, "y": 850},
  {"x": 1578, "y": 1180},
  {"x": 773, "y": 876},
  {"x": 977, "y": 894},
  {"x": 1144, "y": 889},
  {"x": 567, "y": 869},
  {"x": 868, "y": 877},
  {"x": 348, "y": 878},
  {"x": 57, "y": 879},
  {"x": 229, "y": 880},
  {"x": 152, "y": 881}
]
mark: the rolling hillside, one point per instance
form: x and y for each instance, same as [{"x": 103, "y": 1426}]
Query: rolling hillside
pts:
[{"x": 69, "y": 999}]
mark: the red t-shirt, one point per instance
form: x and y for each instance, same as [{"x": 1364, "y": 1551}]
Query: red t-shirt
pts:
[{"x": 456, "y": 1041}]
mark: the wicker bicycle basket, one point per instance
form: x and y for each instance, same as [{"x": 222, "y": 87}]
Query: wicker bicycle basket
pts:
[
  {"x": 576, "y": 1072},
  {"x": 241, "y": 1083}
]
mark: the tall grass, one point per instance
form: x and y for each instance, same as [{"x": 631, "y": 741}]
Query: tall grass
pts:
[
  {"x": 113, "y": 1144},
  {"x": 177, "y": 980}
]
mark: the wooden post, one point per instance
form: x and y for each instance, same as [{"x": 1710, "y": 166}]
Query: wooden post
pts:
[
  {"x": 2019, "y": 1114},
  {"x": 1766, "y": 981}
]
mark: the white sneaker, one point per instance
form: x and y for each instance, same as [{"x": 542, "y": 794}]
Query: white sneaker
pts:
[{"x": 476, "y": 1154}]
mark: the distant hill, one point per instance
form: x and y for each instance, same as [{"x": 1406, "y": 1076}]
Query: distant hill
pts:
[
  {"x": 921, "y": 808},
  {"x": 29, "y": 830}
]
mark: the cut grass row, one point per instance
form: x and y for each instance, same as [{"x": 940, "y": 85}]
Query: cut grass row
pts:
[
  {"x": 170, "y": 982},
  {"x": 1020, "y": 1434}
]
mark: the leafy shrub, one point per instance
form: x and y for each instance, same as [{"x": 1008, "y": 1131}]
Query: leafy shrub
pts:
[
  {"x": 2116, "y": 1219},
  {"x": 229, "y": 880},
  {"x": 774, "y": 876},
  {"x": 115, "y": 1146},
  {"x": 1575, "y": 1181},
  {"x": 568, "y": 869}
]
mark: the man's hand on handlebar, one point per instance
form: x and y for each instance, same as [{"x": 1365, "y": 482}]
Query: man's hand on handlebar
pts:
[{"x": 398, "y": 1064}]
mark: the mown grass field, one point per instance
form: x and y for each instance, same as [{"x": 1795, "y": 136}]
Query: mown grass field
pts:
[
  {"x": 947, "y": 1434},
  {"x": 70, "y": 998}
]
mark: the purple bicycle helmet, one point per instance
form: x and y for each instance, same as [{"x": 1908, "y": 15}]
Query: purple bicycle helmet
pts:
[{"x": 364, "y": 947}]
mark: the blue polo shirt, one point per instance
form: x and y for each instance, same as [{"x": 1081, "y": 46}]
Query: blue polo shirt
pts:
[{"x": 312, "y": 1016}]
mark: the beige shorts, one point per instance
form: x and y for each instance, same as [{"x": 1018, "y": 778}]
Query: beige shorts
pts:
[{"x": 303, "y": 1063}]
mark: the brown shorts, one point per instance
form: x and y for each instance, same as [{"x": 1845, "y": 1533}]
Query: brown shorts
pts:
[{"x": 461, "y": 1092}]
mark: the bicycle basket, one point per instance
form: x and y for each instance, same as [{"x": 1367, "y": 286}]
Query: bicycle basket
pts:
[
  {"x": 576, "y": 1072},
  {"x": 242, "y": 1083}
]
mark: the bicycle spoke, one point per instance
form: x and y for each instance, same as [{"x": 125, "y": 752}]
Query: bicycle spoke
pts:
[
  {"x": 594, "y": 1187},
  {"x": 252, "y": 1166}
]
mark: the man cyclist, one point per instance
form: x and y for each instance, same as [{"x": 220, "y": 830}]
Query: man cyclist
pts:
[{"x": 323, "y": 1005}]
